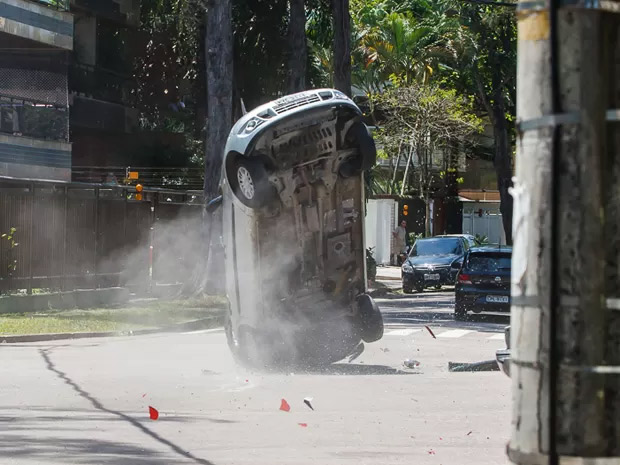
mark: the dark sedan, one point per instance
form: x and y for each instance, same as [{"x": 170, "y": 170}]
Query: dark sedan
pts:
[
  {"x": 433, "y": 262},
  {"x": 483, "y": 283}
]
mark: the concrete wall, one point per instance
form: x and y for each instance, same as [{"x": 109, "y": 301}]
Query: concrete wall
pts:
[
  {"x": 380, "y": 222},
  {"x": 37, "y": 22},
  {"x": 24, "y": 157}
]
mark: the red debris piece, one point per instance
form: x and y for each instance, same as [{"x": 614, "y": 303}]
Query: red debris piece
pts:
[
  {"x": 247, "y": 381},
  {"x": 153, "y": 413},
  {"x": 430, "y": 332},
  {"x": 143, "y": 395},
  {"x": 441, "y": 439},
  {"x": 431, "y": 452},
  {"x": 284, "y": 406},
  {"x": 469, "y": 433},
  {"x": 303, "y": 425}
]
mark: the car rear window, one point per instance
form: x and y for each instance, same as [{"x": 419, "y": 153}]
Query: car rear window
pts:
[{"x": 488, "y": 262}]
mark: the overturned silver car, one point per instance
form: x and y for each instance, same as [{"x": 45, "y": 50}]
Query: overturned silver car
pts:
[{"x": 293, "y": 219}]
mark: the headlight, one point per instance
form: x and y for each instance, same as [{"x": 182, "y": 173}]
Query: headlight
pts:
[
  {"x": 251, "y": 125},
  {"x": 407, "y": 268},
  {"x": 340, "y": 95}
]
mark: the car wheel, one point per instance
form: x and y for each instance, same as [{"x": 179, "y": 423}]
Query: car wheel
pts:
[
  {"x": 358, "y": 137},
  {"x": 419, "y": 287},
  {"x": 251, "y": 183},
  {"x": 438, "y": 287},
  {"x": 460, "y": 311},
  {"x": 407, "y": 290},
  {"x": 371, "y": 320}
]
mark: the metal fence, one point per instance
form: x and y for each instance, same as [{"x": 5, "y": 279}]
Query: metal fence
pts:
[
  {"x": 33, "y": 118},
  {"x": 80, "y": 236}
]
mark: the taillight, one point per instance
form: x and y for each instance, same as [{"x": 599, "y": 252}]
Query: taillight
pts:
[{"x": 464, "y": 278}]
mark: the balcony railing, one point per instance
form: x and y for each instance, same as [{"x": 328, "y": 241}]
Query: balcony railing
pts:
[
  {"x": 101, "y": 84},
  {"x": 61, "y": 5},
  {"x": 31, "y": 118}
]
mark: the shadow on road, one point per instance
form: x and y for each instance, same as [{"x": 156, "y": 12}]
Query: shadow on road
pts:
[
  {"x": 116, "y": 448},
  {"x": 481, "y": 322},
  {"x": 87, "y": 451},
  {"x": 347, "y": 369}
]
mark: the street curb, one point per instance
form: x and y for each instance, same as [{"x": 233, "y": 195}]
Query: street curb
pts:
[{"x": 203, "y": 323}]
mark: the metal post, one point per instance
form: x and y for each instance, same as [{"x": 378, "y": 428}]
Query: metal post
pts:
[
  {"x": 64, "y": 244},
  {"x": 96, "y": 285},
  {"x": 124, "y": 265},
  {"x": 31, "y": 245}
]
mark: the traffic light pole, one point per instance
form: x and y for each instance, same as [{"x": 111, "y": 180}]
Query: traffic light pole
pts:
[{"x": 565, "y": 334}]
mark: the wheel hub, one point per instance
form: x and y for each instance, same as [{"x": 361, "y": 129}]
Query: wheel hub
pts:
[{"x": 246, "y": 185}]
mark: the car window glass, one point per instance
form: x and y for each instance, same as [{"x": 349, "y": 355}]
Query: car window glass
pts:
[
  {"x": 488, "y": 262},
  {"x": 443, "y": 246}
]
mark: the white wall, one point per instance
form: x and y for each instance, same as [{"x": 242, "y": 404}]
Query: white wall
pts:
[
  {"x": 489, "y": 224},
  {"x": 380, "y": 222}
]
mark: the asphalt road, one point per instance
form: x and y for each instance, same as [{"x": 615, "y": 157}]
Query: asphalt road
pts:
[{"x": 86, "y": 401}]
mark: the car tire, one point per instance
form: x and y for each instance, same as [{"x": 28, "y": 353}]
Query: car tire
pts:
[
  {"x": 358, "y": 137},
  {"x": 250, "y": 183},
  {"x": 419, "y": 287},
  {"x": 370, "y": 318},
  {"x": 407, "y": 290},
  {"x": 460, "y": 311},
  {"x": 438, "y": 287}
]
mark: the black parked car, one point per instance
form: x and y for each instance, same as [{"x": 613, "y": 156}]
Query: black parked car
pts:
[
  {"x": 433, "y": 262},
  {"x": 483, "y": 283}
]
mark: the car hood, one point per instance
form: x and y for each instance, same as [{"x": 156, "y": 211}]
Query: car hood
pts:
[{"x": 435, "y": 260}]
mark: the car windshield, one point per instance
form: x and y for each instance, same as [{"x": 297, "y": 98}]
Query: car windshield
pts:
[
  {"x": 488, "y": 262},
  {"x": 439, "y": 246}
]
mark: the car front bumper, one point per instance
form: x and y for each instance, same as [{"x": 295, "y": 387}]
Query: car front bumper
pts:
[{"x": 446, "y": 276}]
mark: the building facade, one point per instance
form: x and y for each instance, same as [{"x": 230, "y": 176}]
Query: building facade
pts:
[{"x": 56, "y": 93}]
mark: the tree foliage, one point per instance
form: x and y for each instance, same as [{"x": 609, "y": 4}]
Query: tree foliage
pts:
[{"x": 425, "y": 125}]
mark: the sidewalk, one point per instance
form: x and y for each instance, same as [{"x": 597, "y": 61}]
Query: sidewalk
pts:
[{"x": 388, "y": 273}]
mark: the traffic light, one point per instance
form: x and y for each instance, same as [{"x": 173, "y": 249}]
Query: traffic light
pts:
[
  {"x": 139, "y": 189},
  {"x": 405, "y": 210}
]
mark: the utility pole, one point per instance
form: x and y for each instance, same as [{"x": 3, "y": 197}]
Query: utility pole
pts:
[{"x": 565, "y": 318}]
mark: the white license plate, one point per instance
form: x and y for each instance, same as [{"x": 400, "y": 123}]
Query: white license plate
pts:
[
  {"x": 431, "y": 277},
  {"x": 498, "y": 299}
]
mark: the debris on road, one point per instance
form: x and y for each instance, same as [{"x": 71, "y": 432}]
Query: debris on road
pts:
[
  {"x": 143, "y": 395},
  {"x": 411, "y": 363},
  {"x": 430, "y": 332},
  {"x": 487, "y": 365},
  {"x": 308, "y": 401},
  {"x": 385, "y": 350},
  {"x": 303, "y": 425},
  {"x": 153, "y": 413},
  {"x": 469, "y": 433},
  {"x": 284, "y": 406},
  {"x": 431, "y": 452}
]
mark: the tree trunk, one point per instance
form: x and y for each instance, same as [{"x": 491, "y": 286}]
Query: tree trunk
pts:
[
  {"x": 502, "y": 160},
  {"x": 427, "y": 218},
  {"x": 298, "y": 49},
  {"x": 342, "y": 46},
  {"x": 503, "y": 163},
  {"x": 219, "y": 61}
]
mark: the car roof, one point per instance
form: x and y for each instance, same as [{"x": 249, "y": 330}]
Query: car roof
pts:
[
  {"x": 491, "y": 249},
  {"x": 436, "y": 237}
]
